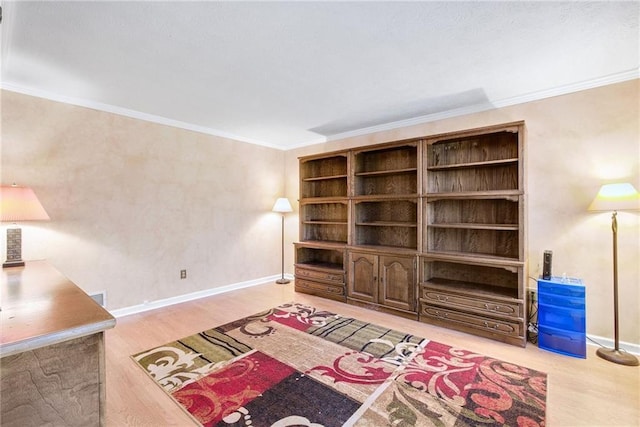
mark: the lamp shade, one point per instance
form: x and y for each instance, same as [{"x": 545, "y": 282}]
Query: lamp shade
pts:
[
  {"x": 20, "y": 204},
  {"x": 282, "y": 205},
  {"x": 616, "y": 197}
]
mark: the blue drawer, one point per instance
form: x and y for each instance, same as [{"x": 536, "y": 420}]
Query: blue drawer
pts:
[
  {"x": 562, "y": 342},
  {"x": 560, "y": 286},
  {"x": 561, "y": 301},
  {"x": 562, "y": 318}
]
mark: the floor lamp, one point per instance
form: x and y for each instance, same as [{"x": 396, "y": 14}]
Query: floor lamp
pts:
[
  {"x": 282, "y": 206},
  {"x": 613, "y": 198}
]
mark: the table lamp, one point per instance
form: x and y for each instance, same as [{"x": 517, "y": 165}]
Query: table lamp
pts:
[{"x": 18, "y": 204}]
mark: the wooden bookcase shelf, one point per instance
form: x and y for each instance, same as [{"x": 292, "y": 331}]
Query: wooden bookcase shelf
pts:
[
  {"x": 328, "y": 167},
  {"x": 410, "y": 171},
  {"x": 321, "y": 257},
  {"x": 324, "y": 220},
  {"x": 489, "y": 163},
  {"x": 476, "y": 226},
  {"x": 467, "y": 287},
  {"x": 430, "y": 228},
  {"x": 489, "y": 242},
  {"x": 388, "y": 222},
  {"x": 473, "y": 179},
  {"x": 324, "y": 177},
  {"x": 513, "y": 195},
  {"x": 332, "y": 234},
  {"x": 386, "y": 170}
]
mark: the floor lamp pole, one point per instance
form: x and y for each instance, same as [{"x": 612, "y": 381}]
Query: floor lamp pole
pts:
[
  {"x": 282, "y": 280},
  {"x": 614, "y": 354}
]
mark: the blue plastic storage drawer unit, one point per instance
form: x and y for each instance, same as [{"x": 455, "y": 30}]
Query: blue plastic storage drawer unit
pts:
[{"x": 562, "y": 316}]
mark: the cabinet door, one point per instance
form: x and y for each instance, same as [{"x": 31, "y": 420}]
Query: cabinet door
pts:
[
  {"x": 363, "y": 276},
  {"x": 397, "y": 286}
]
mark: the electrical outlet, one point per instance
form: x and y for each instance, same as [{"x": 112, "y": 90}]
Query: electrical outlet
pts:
[{"x": 183, "y": 274}]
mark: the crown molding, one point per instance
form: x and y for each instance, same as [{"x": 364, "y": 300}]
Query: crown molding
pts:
[
  {"x": 132, "y": 114},
  {"x": 534, "y": 96}
]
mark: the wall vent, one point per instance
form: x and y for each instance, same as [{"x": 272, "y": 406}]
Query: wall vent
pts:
[{"x": 100, "y": 298}]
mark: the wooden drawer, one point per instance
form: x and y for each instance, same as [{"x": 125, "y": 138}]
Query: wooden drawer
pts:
[
  {"x": 475, "y": 303},
  {"x": 303, "y": 273},
  {"x": 467, "y": 320},
  {"x": 336, "y": 292}
]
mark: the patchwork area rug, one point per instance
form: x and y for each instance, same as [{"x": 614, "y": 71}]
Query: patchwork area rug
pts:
[{"x": 294, "y": 365}]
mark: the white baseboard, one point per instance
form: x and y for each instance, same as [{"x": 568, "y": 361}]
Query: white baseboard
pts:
[
  {"x": 609, "y": 343},
  {"x": 152, "y": 305}
]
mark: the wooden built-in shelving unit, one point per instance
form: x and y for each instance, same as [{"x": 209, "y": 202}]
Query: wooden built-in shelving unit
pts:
[{"x": 429, "y": 228}]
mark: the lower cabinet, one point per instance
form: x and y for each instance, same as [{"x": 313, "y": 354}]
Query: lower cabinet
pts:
[
  {"x": 319, "y": 270},
  {"x": 386, "y": 282},
  {"x": 479, "y": 298},
  {"x": 475, "y": 296}
]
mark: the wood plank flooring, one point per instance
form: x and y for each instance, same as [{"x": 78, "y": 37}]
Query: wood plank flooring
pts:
[{"x": 581, "y": 392}]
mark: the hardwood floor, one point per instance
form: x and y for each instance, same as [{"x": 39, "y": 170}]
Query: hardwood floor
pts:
[{"x": 581, "y": 392}]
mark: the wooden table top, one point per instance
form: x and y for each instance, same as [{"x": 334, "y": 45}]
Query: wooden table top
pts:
[{"x": 40, "y": 307}]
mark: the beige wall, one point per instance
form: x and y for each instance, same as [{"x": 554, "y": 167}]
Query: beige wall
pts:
[
  {"x": 574, "y": 143},
  {"x": 132, "y": 202}
]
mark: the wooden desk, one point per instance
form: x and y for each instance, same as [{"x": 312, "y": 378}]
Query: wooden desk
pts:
[{"x": 52, "y": 367}]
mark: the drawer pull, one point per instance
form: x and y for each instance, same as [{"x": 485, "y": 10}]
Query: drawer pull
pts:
[
  {"x": 494, "y": 326},
  {"x": 441, "y": 298}
]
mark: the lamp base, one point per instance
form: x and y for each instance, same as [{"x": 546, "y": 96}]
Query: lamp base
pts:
[
  {"x": 13, "y": 264},
  {"x": 283, "y": 281},
  {"x": 617, "y": 356},
  {"x": 14, "y": 248}
]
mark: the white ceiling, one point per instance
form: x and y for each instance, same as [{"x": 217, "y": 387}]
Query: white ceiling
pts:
[{"x": 287, "y": 74}]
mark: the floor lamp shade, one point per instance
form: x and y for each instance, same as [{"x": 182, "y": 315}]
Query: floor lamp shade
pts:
[
  {"x": 18, "y": 204},
  {"x": 282, "y": 206},
  {"x": 613, "y": 198},
  {"x": 616, "y": 197}
]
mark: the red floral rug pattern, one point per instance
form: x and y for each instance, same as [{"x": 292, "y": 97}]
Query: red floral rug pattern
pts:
[{"x": 295, "y": 365}]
